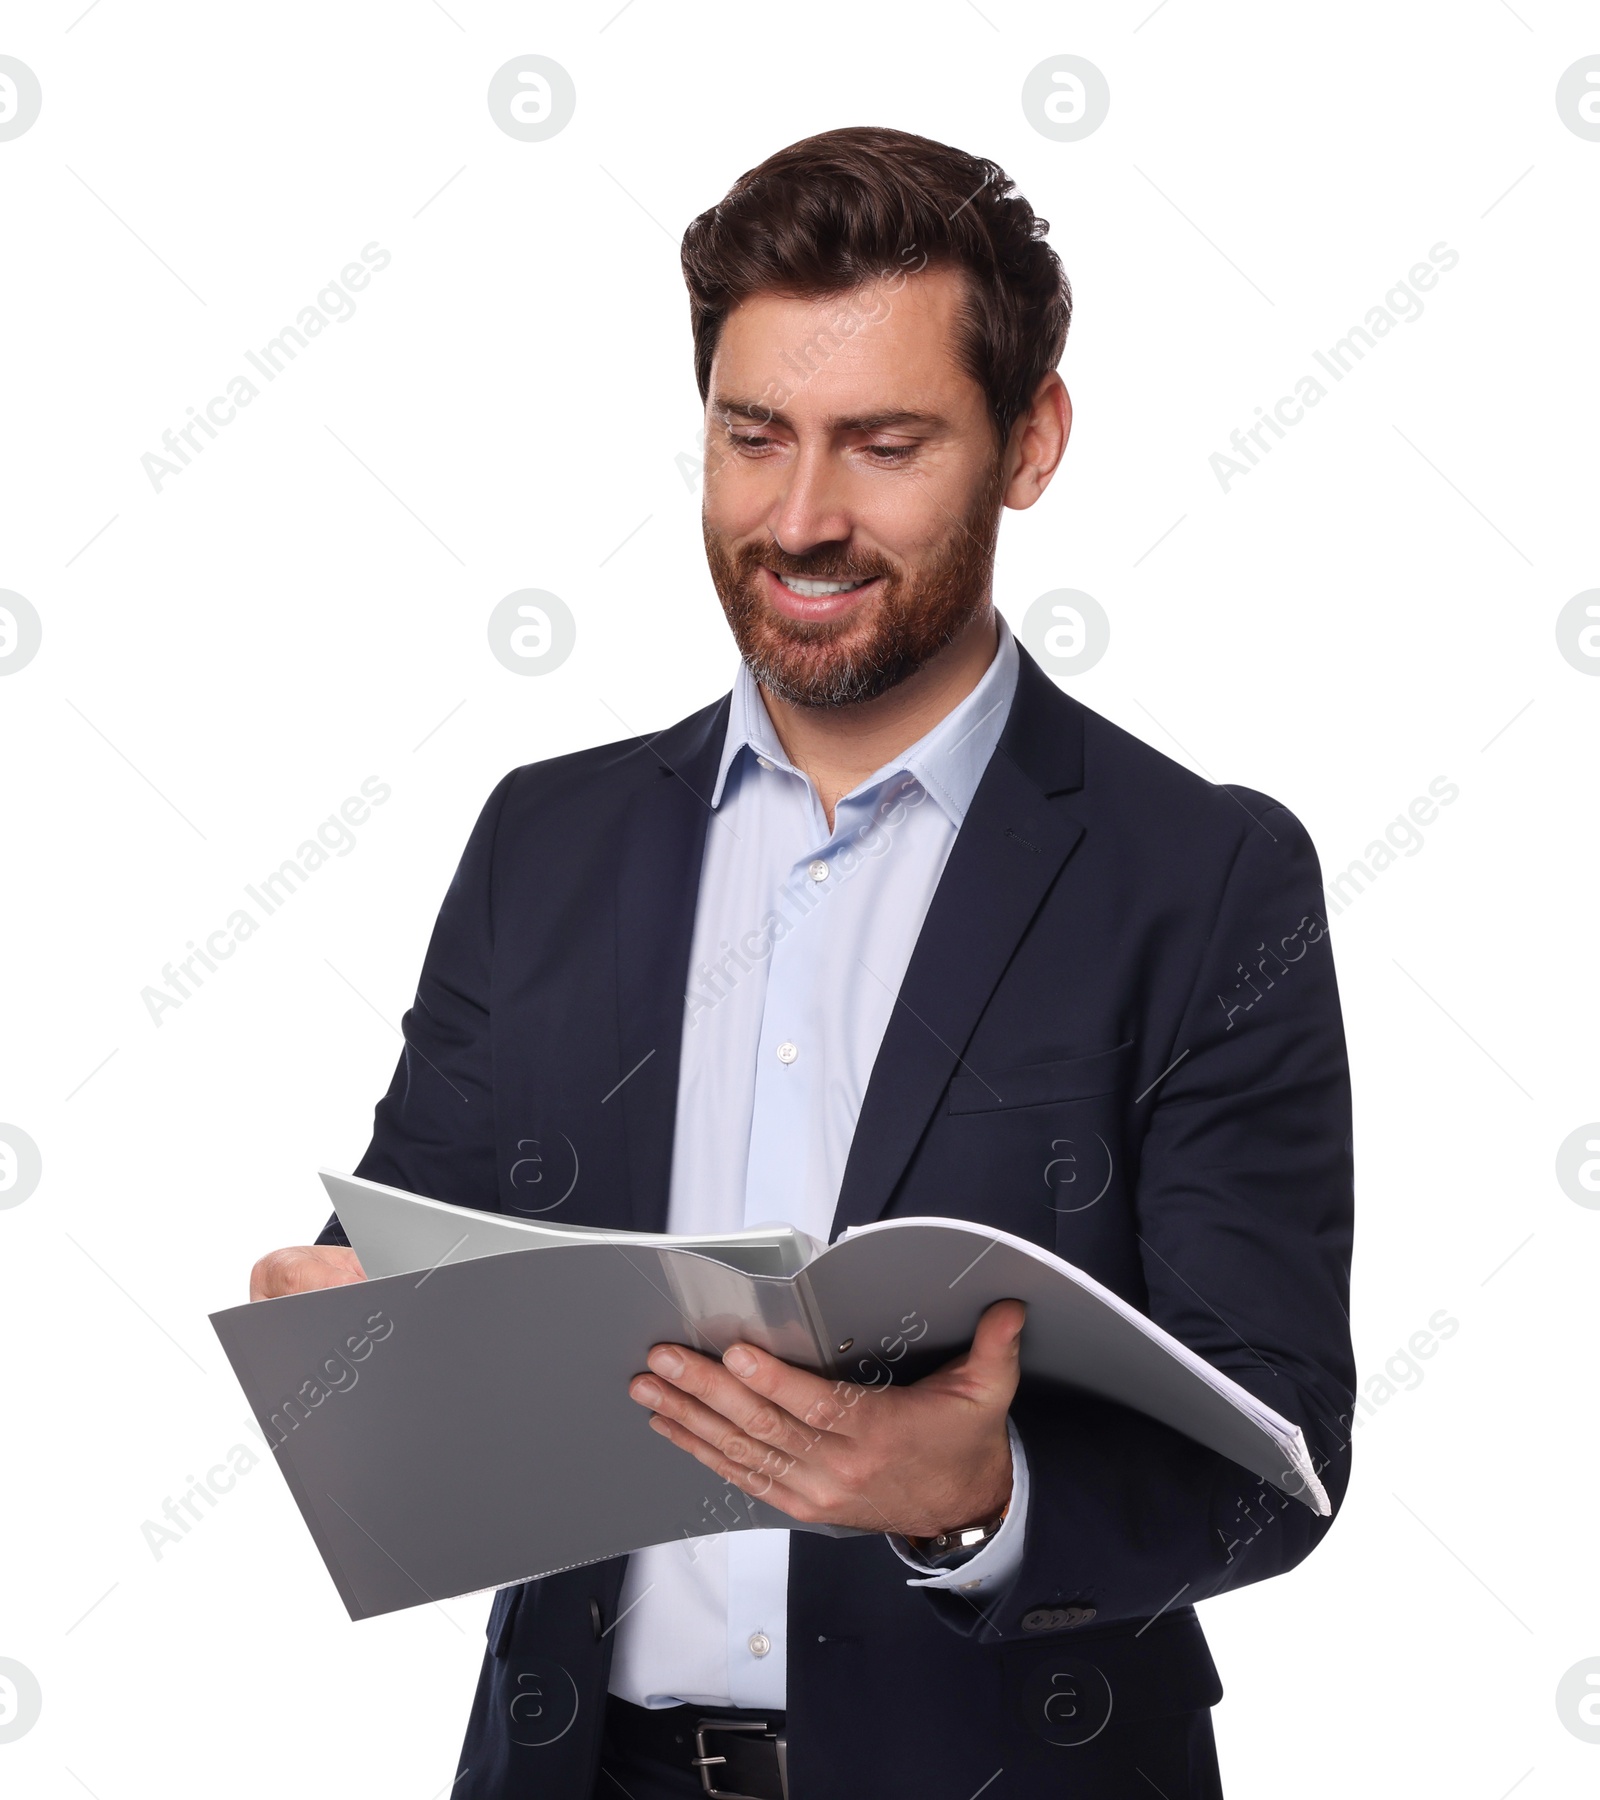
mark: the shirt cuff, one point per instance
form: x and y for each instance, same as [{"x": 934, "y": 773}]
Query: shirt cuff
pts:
[{"x": 999, "y": 1559}]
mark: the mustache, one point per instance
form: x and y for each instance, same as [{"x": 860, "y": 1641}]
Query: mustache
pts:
[{"x": 820, "y": 565}]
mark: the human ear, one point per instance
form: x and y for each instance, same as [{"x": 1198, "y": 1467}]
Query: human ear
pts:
[{"x": 1038, "y": 441}]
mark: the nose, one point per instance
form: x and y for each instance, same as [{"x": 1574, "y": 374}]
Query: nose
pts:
[{"x": 810, "y": 509}]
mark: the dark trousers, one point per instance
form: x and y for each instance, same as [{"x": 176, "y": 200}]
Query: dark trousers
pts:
[
  {"x": 625, "y": 1777},
  {"x": 1172, "y": 1758}
]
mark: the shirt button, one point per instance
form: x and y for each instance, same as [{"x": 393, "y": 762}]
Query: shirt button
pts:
[
  {"x": 819, "y": 870},
  {"x": 765, "y": 761},
  {"x": 787, "y": 1053},
  {"x": 760, "y": 1643}
]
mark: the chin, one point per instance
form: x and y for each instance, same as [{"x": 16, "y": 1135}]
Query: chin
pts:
[{"x": 844, "y": 670}]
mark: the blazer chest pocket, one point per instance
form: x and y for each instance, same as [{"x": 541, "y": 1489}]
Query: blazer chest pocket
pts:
[{"x": 1041, "y": 1084}]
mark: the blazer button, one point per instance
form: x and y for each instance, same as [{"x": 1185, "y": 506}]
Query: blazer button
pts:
[{"x": 1056, "y": 1618}]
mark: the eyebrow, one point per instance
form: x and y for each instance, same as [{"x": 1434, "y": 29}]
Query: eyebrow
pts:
[{"x": 888, "y": 419}]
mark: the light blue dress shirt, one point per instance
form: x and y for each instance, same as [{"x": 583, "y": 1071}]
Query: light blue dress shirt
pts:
[{"x": 801, "y": 938}]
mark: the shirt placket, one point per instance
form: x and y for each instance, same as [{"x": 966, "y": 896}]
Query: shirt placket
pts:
[{"x": 790, "y": 1056}]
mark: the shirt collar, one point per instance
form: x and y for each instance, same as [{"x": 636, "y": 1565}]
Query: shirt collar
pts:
[{"x": 948, "y": 761}]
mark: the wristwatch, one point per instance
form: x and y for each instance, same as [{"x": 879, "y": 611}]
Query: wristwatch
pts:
[{"x": 952, "y": 1548}]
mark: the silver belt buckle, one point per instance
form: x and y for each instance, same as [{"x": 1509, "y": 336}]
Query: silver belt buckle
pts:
[{"x": 705, "y": 1761}]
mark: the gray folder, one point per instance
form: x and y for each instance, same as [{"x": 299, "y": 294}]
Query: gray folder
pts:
[{"x": 466, "y": 1423}]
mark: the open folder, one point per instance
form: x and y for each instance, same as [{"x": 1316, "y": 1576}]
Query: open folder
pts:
[{"x": 461, "y": 1420}]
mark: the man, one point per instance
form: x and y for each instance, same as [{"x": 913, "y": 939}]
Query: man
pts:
[{"x": 896, "y": 928}]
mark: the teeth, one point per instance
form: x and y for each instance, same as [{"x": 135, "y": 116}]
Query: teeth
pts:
[{"x": 816, "y": 590}]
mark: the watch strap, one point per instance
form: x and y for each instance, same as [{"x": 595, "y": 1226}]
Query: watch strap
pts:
[{"x": 951, "y": 1548}]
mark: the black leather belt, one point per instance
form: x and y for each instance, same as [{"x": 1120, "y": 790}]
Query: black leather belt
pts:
[{"x": 738, "y": 1754}]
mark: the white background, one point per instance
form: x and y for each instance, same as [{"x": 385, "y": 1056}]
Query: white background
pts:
[{"x": 1372, "y": 608}]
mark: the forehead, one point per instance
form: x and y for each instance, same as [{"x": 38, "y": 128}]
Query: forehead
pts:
[{"x": 890, "y": 343}]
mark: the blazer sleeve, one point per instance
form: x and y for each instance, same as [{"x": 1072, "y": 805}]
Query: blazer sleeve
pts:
[
  {"x": 433, "y": 1131},
  {"x": 1244, "y": 1201}
]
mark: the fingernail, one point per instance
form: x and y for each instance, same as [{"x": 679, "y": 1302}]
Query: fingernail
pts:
[
  {"x": 740, "y": 1360},
  {"x": 665, "y": 1361},
  {"x": 646, "y": 1393},
  {"x": 657, "y": 1423}
]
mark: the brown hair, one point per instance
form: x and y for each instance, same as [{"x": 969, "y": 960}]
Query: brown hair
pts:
[{"x": 835, "y": 211}]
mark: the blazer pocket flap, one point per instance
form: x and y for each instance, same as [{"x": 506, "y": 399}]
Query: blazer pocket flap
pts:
[{"x": 1041, "y": 1084}]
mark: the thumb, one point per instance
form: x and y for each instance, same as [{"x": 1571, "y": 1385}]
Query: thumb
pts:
[{"x": 994, "y": 1362}]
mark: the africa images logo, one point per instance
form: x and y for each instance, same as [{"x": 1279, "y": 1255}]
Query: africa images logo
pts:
[
  {"x": 334, "y": 305},
  {"x": 1402, "y": 305}
]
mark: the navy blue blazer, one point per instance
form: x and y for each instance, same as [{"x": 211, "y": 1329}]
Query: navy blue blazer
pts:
[{"x": 1119, "y": 1037}]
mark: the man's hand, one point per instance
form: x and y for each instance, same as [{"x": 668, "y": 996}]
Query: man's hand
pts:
[
  {"x": 919, "y": 1460},
  {"x": 303, "y": 1268}
]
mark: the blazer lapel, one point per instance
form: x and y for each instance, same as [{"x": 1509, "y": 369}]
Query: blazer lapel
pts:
[
  {"x": 658, "y": 884},
  {"x": 1008, "y": 853}
]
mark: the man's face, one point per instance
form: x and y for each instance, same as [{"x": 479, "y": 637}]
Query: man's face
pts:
[{"x": 853, "y": 484}]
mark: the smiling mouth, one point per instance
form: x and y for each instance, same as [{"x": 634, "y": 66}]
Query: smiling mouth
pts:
[{"x": 820, "y": 590}]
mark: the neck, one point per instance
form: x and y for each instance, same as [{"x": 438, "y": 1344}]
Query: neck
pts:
[{"x": 839, "y": 746}]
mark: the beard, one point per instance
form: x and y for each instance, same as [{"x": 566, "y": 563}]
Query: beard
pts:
[{"x": 839, "y": 662}]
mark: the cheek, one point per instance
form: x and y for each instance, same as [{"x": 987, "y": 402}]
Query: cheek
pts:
[
  {"x": 737, "y": 495},
  {"x": 917, "y": 513}
]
